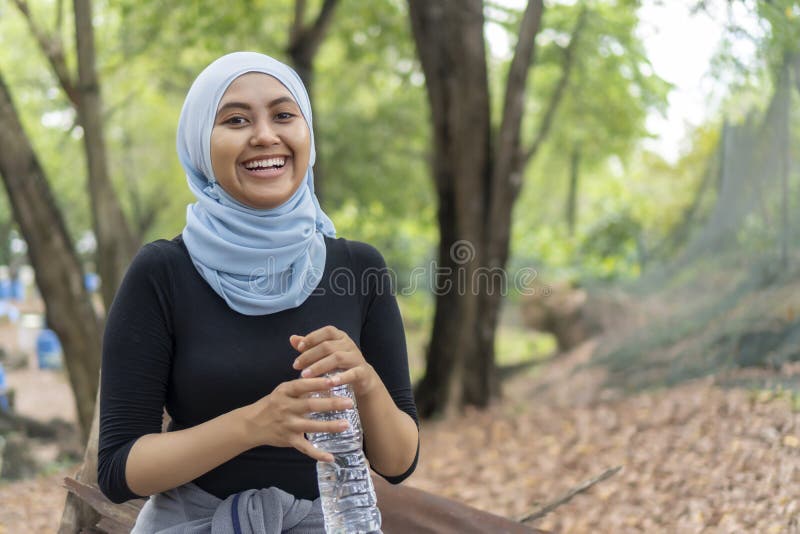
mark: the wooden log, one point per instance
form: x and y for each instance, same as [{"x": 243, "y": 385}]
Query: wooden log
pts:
[{"x": 404, "y": 510}]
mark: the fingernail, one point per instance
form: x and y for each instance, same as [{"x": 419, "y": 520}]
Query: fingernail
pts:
[
  {"x": 306, "y": 373},
  {"x": 294, "y": 364},
  {"x": 301, "y": 345}
]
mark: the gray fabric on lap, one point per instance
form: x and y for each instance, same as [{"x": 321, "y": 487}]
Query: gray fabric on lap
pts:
[{"x": 190, "y": 510}]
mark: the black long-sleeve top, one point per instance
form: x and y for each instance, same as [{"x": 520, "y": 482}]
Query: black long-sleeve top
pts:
[{"x": 171, "y": 341}]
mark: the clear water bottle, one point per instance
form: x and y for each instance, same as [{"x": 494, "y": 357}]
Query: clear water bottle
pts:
[{"x": 345, "y": 486}]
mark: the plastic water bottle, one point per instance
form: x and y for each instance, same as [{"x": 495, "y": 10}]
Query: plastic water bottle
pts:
[{"x": 348, "y": 497}]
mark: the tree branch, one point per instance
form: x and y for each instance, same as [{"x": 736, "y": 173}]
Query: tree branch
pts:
[
  {"x": 297, "y": 25},
  {"x": 59, "y": 22},
  {"x": 308, "y": 38},
  {"x": 508, "y": 137},
  {"x": 580, "y": 488},
  {"x": 558, "y": 93},
  {"x": 53, "y": 50}
]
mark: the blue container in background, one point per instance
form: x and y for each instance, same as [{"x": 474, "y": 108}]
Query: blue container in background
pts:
[
  {"x": 5, "y": 289},
  {"x": 3, "y": 390},
  {"x": 91, "y": 281},
  {"x": 17, "y": 290},
  {"x": 48, "y": 350}
]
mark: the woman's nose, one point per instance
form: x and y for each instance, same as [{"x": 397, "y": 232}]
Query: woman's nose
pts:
[{"x": 263, "y": 134}]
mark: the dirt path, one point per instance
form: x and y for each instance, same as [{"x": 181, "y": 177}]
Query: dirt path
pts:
[{"x": 696, "y": 458}]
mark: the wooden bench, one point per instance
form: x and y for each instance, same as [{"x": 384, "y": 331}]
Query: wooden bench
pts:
[{"x": 405, "y": 510}]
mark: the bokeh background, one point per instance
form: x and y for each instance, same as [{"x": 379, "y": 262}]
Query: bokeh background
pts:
[{"x": 641, "y": 202}]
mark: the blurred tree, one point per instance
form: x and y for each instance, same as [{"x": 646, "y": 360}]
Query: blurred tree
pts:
[
  {"x": 58, "y": 272},
  {"x": 116, "y": 244},
  {"x": 478, "y": 176},
  {"x": 589, "y": 156},
  {"x": 607, "y": 97},
  {"x": 595, "y": 90}
]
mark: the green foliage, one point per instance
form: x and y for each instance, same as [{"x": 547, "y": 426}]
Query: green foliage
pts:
[
  {"x": 611, "y": 90},
  {"x": 372, "y": 123},
  {"x": 613, "y": 240},
  {"x": 373, "y": 126}
]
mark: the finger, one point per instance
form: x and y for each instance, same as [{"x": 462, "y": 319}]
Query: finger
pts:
[
  {"x": 295, "y": 340},
  {"x": 342, "y": 360},
  {"x": 324, "y": 404},
  {"x": 347, "y": 377},
  {"x": 320, "y": 335},
  {"x": 311, "y": 426},
  {"x": 362, "y": 377},
  {"x": 304, "y": 386},
  {"x": 305, "y": 446},
  {"x": 315, "y": 353}
]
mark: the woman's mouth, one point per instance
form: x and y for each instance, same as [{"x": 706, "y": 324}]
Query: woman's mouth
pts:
[{"x": 265, "y": 167}]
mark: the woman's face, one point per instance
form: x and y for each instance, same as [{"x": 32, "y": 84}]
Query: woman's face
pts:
[{"x": 260, "y": 142}]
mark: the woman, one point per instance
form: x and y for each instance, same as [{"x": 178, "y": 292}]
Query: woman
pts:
[{"x": 231, "y": 325}]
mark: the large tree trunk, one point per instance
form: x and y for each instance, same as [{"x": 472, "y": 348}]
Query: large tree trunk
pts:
[
  {"x": 476, "y": 189},
  {"x": 115, "y": 243},
  {"x": 449, "y": 37},
  {"x": 58, "y": 271}
]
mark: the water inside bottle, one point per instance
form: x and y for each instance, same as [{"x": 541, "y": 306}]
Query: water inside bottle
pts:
[{"x": 348, "y": 497}]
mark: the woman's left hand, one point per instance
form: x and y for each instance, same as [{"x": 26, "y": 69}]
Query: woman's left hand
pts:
[{"x": 329, "y": 349}]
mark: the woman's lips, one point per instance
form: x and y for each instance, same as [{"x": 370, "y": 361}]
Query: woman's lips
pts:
[{"x": 265, "y": 172}]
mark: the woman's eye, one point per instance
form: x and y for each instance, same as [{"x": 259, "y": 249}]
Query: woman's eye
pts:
[
  {"x": 284, "y": 116},
  {"x": 235, "y": 120}
]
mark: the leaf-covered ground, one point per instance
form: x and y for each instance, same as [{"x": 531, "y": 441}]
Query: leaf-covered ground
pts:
[{"x": 696, "y": 458}]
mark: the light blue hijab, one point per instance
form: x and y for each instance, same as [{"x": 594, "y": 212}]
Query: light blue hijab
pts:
[{"x": 259, "y": 261}]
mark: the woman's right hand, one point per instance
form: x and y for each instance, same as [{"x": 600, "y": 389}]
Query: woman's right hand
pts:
[{"x": 281, "y": 418}]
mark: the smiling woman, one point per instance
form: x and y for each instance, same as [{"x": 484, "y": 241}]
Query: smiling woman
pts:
[
  {"x": 260, "y": 143},
  {"x": 232, "y": 325}
]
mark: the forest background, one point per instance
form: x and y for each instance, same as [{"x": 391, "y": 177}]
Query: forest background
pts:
[{"x": 673, "y": 240}]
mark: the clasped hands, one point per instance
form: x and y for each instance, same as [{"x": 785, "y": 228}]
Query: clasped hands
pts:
[{"x": 281, "y": 418}]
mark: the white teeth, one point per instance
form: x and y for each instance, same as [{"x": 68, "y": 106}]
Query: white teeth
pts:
[{"x": 265, "y": 163}]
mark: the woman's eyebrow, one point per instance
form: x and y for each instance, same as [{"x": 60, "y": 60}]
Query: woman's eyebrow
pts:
[
  {"x": 281, "y": 100},
  {"x": 245, "y": 106},
  {"x": 232, "y": 105}
]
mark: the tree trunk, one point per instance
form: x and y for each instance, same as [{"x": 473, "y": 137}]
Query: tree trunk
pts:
[
  {"x": 476, "y": 190},
  {"x": 449, "y": 39},
  {"x": 58, "y": 271},
  {"x": 115, "y": 243},
  {"x": 572, "y": 195},
  {"x": 304, "y": 42},
  {"x": 784, "y": 134}
]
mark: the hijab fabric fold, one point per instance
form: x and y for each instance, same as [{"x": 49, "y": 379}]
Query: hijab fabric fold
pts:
[{"x": 259, "y": 261}]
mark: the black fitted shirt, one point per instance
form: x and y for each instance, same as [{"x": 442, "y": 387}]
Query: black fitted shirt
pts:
[{"x": 172, "y": 342}]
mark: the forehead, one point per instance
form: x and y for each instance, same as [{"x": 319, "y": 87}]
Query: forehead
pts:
[{"x": 255, "y": 86}]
